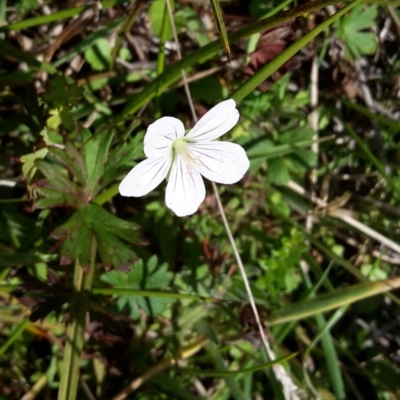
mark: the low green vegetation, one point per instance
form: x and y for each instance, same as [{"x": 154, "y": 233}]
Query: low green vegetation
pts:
[{"x": 110, "y": 297}]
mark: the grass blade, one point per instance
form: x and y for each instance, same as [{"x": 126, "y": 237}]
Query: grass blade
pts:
[
  {"x": 332, "y": 300},
  {"x": 173, "y": 73},
  {"x": 221, "y": 27},
  {"x": 266, "y": 71}
]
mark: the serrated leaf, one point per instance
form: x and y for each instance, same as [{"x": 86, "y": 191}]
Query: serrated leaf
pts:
[
  {"x": 361, "y": 18},
  {"x": 57, "y": 186},
  {"x": 53, "y": 197},
  {"x": 54, "y": 174},
  {"x": 77, "y": 161},
  {"x": 141, "y": 277},
  {"x": 117, "y": 162},
  {"x": 108, "y": 229},
  {"x": 54, "y": 121},
  {"x": 73, "y": 161},
  {"x": 77, "y": 236},
  {"x": 365, "y": 41},
  {"x": 28, "y": 163},
  {"x": 61, "y": 93},
  {"x": 114, "y": 225},
  {"x": 61, "y": 97},
  {"x": 95, "y": 152},
  {"x": 66, "y": 119},
  {"x": 90, "y": 220},
  {"x": 350, "y": 30},
  {"x": 88, "y": 168}
]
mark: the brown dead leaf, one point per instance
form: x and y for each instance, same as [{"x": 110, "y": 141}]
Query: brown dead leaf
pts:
[{"x": 272, "y": 42}]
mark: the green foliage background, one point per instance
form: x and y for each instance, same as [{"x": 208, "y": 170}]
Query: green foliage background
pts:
[{"x": 104, "y": 297}]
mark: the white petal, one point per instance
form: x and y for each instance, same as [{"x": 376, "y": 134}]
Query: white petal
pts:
[
  {"x": 219, "y": 120},
  {"x": 145, "y": 176},
  {"x": 185, "y": 189},
  {"x": 161, "y": 134},
  {"x": 221, "y": 162}
]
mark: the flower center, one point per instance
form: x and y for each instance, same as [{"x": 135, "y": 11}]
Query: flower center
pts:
[{"x": 181, "y": 147}]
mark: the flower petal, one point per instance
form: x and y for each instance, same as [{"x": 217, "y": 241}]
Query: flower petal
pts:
[
  {"x": 221, "y": 162},
  {"x": 161, "y": 134},
  {"x": 145, "y": 176},
  {"x": 219, "y": 120},
  {"x": 185, "y": 189}
]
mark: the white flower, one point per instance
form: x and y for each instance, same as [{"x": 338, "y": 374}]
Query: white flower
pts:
[{"x": 182, "y": 159}]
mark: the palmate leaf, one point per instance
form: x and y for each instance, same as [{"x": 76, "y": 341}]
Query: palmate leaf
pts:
[
  {"x": 149, "y": 276},
  {"x": 77, "y": 235},
  {"x": 297, "y": 161},
  {"x": 57, "y": 189},
  {"x": 108, "y": 230},
  {"x": 350, "y": 30},
  {"x": 61, "y": 97},
  {"x": 82, "y": 169},
  {"x": 62, "y": 93},
  {"x": 83, "y": 172},
  {"x": 117, "y": 162},
  {"x": 73, "y": 160},
  {"x": 96, "y": 152}
]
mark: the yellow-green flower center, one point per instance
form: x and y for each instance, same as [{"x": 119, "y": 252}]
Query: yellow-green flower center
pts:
[{"x": 180, "y": 147}]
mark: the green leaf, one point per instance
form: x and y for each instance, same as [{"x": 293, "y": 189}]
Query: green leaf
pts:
[
  {"x": 87, "y": 169},
  {"x": 302, "y": 160},
  {"x": 330, "y": 301},
  {"x": 25, "y": 258},
  {"x": 195, "y": 26},
  {"x": 208, "y": 89},
  {"x": 350, "y": 30},
  {"x": 54, "y": 121},
  {"x": 108, "y": 229},
  {"x": 77, "y": 237},
  {"x": 118, "y": 161},
  {"x": 28, "y": 163},
  {"x": 221, "y": 27},
  {"x": 66, "y": 119},
  {"x": 95, "y": 153},
  {"x": 61, "y": 93},
  {"x": 373, "y": 272},
  {"x": 277, "y": 171},
  {"x": 156, "y": 15},
  {"x": 142, "y": 277},
  {"x": 57, "y": 188},
  {"x": 90, "y": 220},
  {"x": 72, "y": 160},
  {"x": 62, "y": 96},
  {"x": 99, "y": 55}
]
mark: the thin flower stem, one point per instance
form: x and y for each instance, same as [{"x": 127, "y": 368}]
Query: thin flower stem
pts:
[
  {"x": 243, "y": 273},
  {"x": 178, "y": 50},
  {"x": 288, "y": 387}
]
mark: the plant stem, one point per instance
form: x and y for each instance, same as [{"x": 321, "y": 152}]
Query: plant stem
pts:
[{"x": 79, "y": 304}]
